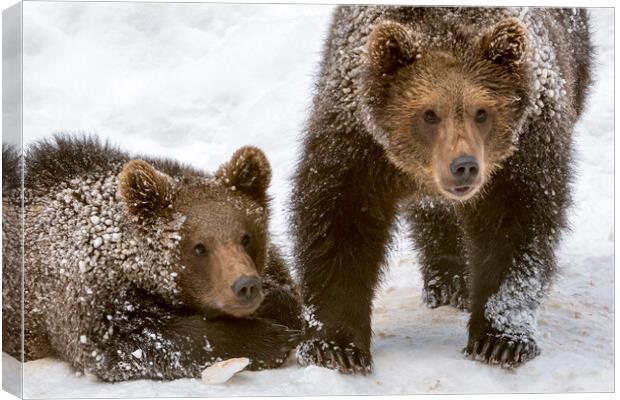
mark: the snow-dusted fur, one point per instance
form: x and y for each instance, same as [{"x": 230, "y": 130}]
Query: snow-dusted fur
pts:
[
  {"x": 356, "y": 175},
  {"x": 103, "y": 277},
  {"x": 12, "y": 234}
]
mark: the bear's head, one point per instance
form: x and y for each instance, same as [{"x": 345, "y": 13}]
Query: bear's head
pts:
[
  {"x": 224, "y": 239},
  {"x": 447, "y": 111}
]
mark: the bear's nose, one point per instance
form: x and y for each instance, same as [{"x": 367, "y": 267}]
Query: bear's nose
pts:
[
  {"x": 464, "y": 169},
  {"x": 247, "y": 288}
]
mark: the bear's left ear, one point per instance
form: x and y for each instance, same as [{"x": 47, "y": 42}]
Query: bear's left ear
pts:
[
  {"x": 390, "y": 47},
  {"x": 146, "y": 191},
  {"x": 249, "y": 172},
  {"x": 507, "y": 43}
]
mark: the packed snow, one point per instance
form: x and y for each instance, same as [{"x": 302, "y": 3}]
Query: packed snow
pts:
[{"x": 196, "y": 81}]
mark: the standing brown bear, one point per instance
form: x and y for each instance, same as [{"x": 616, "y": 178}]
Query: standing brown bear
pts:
[
  {"x": 146, "y": 268},
  {"x": 460, "y": 119}
]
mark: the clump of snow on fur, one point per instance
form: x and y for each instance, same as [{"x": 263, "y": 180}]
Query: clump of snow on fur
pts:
[
  {"x": 547, "y": 86},
  {"x": 512, "y": 310},
  {"x": 308, "y": 314}
]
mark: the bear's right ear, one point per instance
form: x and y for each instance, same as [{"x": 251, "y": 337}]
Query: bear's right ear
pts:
[
  {"x": 146, "y": 191},
  {"x": 391, "y": 46}
]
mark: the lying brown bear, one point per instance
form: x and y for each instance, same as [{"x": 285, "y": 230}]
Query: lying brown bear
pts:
[{"x": 147, "y": 269}]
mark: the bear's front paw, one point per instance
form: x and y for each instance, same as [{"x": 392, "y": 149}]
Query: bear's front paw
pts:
[
  {"x": 446, "y": 289},
  {"x": 271, "y": 345},
  {"x": 348, "y": 359},
  {"x": 498, "y": 349}
]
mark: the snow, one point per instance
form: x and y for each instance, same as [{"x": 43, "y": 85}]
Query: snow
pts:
[{"x": 196, "y": 81}]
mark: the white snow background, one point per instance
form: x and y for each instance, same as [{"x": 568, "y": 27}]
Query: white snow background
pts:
[{"x": 195, "y": 81}]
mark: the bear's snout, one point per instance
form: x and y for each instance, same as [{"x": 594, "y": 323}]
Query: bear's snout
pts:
[
  {"x": 464, "y": 170},
  {"x": 461, "y": 178},
  {"x": 247, "y": 289}
]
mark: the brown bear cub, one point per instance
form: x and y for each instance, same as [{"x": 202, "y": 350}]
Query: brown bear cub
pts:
[
  {"x": 146, "y": 268},
  {"x": 459, "y": 119}
]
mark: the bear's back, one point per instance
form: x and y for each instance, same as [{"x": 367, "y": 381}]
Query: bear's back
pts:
[
  {"x": 65, "y": 157},
  {"x": 62, "y": 158}
]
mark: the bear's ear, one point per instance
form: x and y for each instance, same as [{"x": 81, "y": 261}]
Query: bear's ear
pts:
[
  {"x": 249, "y": 172},
  {"x": 146, "y": 191},
  {"x": 391, "y": 46},
  {"x": 506, "y": 43}
]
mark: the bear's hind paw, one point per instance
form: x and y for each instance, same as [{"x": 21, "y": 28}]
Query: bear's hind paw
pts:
[{"x": 445, "y": 291}]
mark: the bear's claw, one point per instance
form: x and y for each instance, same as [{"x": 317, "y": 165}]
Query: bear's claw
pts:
[
  {"x": 346, "y": 362},
  {"x": 502, "y": 351},
  {"x": 351, "y": 360}
]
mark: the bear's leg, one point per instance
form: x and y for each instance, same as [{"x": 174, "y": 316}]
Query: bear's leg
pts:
[
  {"x": 437, "y": 237},
  {"x": 511, "y": 232},
  {"x": 173, "y": 346},
  {"x": 344, "y": 208}
]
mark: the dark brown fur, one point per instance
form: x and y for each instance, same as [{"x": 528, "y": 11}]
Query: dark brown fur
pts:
[
  {"x": 113, "y": 282},
  {"x": 12, "y": 236},
  {"x": 368, "y": 156}
]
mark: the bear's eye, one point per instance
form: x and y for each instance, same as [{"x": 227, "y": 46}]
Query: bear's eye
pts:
[
  {"x": 200, "y": 249},
  {"x": 430, "y": 117},
  {"x": 481, "y": 116},
  {"x": 246, "y": 239}
]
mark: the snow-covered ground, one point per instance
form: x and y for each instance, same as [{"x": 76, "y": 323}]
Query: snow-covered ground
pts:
[{"x": 195, "y": 81}]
